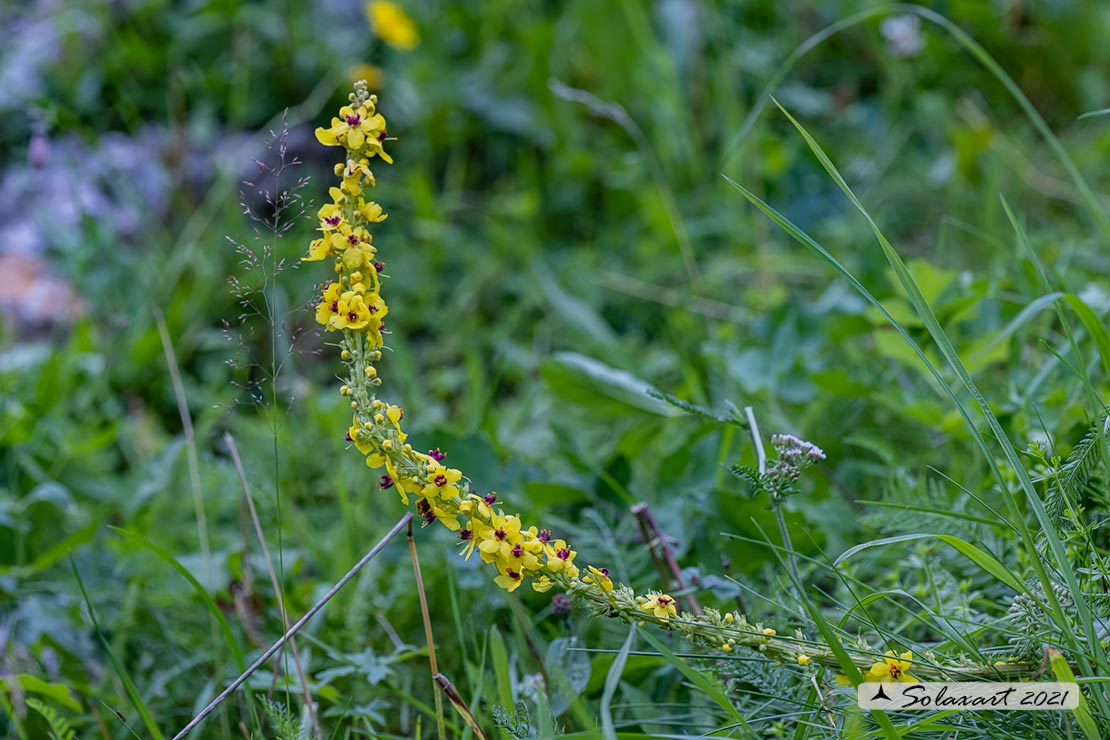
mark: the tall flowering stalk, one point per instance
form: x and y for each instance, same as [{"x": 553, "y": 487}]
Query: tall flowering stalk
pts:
[{"x": 352, "y": 306}]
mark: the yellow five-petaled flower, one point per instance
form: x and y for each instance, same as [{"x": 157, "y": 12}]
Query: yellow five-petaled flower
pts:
[
  {"x": 660, "y": 605},
  {"x": 892, "y": 668}
]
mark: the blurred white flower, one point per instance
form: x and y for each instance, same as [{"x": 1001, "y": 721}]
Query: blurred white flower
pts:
[{"x": 903, "y": 35}]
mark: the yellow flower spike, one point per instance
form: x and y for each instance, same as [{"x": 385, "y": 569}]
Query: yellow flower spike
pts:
[{"x": 659, "y": 604}]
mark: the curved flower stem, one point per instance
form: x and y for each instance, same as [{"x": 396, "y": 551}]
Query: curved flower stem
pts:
[{"x": 776, "y": 502}]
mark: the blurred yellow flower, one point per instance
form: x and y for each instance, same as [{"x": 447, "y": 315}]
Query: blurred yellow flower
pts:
[
  {"x": 370, "y": 72},
  {"x": 392, "y": 24}
]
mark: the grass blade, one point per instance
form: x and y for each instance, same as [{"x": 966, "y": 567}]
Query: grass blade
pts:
[
  {"x": 612, "y": 680},
  {"x": 128, "y": 684}
]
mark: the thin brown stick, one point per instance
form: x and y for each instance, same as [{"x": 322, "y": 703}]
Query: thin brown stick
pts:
[
  {"x": 458, "y": 703},
  {"x": 656, "y": 539},
  {"x": 441, "y": 726},
  {"x": 234, "y": 449},
  {"x": 261, "y": 661}
]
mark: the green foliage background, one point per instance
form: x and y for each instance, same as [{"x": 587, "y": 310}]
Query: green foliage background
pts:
[{"x": 538, "y": 285}]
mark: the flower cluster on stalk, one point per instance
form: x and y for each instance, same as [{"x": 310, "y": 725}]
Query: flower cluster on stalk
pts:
[{"x": 351, "y": 305}]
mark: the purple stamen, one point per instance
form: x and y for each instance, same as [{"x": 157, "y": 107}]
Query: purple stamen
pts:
[{"x": 387, "y": 481}]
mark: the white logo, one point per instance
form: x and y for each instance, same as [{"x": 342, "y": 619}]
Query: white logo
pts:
[{"x": 968, "y": 696}]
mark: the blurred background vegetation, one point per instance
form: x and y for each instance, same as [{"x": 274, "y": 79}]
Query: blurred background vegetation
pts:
[{"x": 549, "y": 259}]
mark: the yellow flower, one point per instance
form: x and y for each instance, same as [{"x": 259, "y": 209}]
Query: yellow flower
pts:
[
  {"x": 522, "y": 556},
  {"x": 441, "y": 483},
  {"x": 498, "y": 538},
  {"x": 561, "y": 557},
  {"x": 352, "y": 312},
  {"x": 803, "y": 660},
  {"x": 769, "y": 632},
  {"x": 600, "y": 576},
  {"x": 331, "y": 216},
  {"x": 661, "y": 605},
  {"x": 371, "y": 211},
  {"x": 892, "y": 669},
  {"x": 392, "y": 24},
  {"x": 355, "y": 246},
  {"x": 318, "y": 249},
  {"x": 432, "y": 509},
  {"x": 509, "y": 579},
  {"x": 542, "y": 584},
  {"x": 468, "y": 540},
  {"x": 362, "y": 442},
  {"x": 329, "y": 305},
  {"x": 353, "y": 128},
  {"x": 399, "y": 482}
]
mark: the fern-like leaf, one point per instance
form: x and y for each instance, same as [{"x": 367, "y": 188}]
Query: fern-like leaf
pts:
[{"x": 59, "y": 726}]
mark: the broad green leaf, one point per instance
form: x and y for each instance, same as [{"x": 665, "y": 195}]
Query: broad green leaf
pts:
[{"x": 57, "y": 692}]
